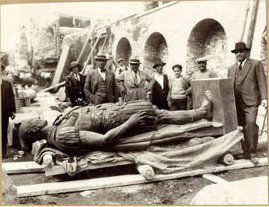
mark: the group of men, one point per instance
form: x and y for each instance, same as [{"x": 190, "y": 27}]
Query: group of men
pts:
[{"x": 103, "y": 86}]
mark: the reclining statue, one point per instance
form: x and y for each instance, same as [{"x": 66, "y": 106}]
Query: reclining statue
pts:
[{"x": 91, "y": 127}]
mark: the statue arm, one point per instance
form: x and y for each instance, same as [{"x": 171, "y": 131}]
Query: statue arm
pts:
[{"x": 91, "y": 138}]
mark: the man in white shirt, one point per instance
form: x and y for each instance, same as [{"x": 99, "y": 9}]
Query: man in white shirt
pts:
[{"x": 160, "y": 87}]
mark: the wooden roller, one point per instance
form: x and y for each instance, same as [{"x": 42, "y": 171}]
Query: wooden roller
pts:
[
  {"x": 47, "y": 161},
  {"x": 227, "y": 159},
  {"x": 146, "y": 171}
]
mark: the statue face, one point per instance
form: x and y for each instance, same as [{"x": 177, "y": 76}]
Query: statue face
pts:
[{"x": 29, "y": 131}]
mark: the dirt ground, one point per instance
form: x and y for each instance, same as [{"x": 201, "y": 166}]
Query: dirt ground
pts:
[{"x": 170, "y": 192}]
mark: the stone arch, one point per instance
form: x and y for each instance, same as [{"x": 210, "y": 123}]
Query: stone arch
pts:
[
  {"x": 208, "y": 38},
  {"x": 123, "y": 49},
  {"x": 155, "y": 48}
]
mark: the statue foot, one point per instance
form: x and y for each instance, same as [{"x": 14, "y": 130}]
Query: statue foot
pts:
[{"x": 207, "y": 104}]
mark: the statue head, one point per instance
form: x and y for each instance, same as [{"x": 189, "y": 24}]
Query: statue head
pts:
[{"x": 28, "y": 131}]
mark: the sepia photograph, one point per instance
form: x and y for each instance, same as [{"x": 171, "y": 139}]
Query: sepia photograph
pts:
[{"x": 134, "y": 103}]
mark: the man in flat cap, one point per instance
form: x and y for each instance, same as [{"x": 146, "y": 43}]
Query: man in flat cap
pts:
[
  {"x": 100, "y": 85},
  {"x": 132, "y": 83},
  {"x": 203, "y": 72},
  {"x": 250, "y": 91},
  {"x": 74, "y": 86}
]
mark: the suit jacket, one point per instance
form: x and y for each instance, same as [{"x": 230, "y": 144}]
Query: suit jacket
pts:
[
  {"x": 134, "y": 91},
  {"x": 91, "y": 87},
  {"x": 159, "y": 94},
  {"x": 74, "y": 88},
  {"x": 252, "y": 81},
  {"x": 8, "y": 99}
]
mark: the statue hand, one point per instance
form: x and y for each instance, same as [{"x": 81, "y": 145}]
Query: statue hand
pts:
[{"x": 138, "y": 119}]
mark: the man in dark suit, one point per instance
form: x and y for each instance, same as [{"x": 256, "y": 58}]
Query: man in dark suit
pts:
[
  {"x": 8, "y": 109},
  {"x": 74, "y": 86},
  {"x": 250, "y": 91},
  {"x": 100, "y": 85},
  {"x": 160, "y": 87}
]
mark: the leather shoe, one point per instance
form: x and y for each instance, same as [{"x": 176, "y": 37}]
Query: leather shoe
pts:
[{"x": 253, "y": 158}]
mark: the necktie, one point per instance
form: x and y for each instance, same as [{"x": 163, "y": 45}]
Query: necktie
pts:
[
  {"x": 136, "y": 79},
  {"x": 240, "y": 66}
]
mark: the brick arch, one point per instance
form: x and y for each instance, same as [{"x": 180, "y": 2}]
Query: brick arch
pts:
[
  {"x": 208, "y": 38},
  {"x": 155, "y": 48},
  {"x": 123, "y": 49}
]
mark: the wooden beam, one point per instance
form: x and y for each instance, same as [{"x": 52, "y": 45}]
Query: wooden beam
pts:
[
  {"x": 22, "y": 167},
  {"x": 124, "y": 180},
  {"x": 58, "y": 170},
  {"x": 62, "y": 64}
]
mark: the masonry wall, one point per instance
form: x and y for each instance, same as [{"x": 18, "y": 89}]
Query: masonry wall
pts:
[{"x": 183, "y": 31}]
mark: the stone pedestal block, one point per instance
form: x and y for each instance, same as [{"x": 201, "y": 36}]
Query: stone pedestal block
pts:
[{"x": 224, "y": 110}]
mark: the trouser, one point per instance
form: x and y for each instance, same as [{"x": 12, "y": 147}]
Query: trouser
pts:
[
  {"x": 247, "y": 116},
  {"x": 4, "y": 133},
  {"x": 178, "y": 104}
]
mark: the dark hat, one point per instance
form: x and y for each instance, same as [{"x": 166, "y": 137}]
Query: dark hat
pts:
[
  {"x": 240, "y": 46},
  {"x": 74, "y": 64},
  {"x": 100, "y": 57},
  {"x": 158, "y": 62},
  {"x": 134, "y": 61},
  {"x": 121, "y": 59}
]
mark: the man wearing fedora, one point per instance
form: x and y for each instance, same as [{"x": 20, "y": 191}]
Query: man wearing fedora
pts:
[
  {"x": 132, "y": 83},
  {"x": 250, "y": 91},
  {"x": 100, "y": 85},
  {"x": 160, "y": 87},
  {"x": 74, "y": 86},
  {"x": 122, "y": 67}
]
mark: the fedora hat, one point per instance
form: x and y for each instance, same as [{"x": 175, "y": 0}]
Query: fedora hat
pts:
[
  {"x": 121, "y": 59},
  {"x": 240, "y": 46},
  {"x": 134, "y": 61},
  {"x": 158, "y": 62},
  {"x": 74, "y": 64},
  {"x": 100, "y": 57}
]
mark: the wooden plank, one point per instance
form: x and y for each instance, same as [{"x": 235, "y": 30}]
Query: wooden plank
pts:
[
  {"x": 22, "y": 167},
  {"x": 58, "y": 170},
  {"x": 123, "y": 180},
  {"x": 214, "y": 178},
  {"x": 64, "y": 60}
]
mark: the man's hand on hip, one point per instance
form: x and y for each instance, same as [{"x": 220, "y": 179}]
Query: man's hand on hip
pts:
[{"x": 264, "y": 103}]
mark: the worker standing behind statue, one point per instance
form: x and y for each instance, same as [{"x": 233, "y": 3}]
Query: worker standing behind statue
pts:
[
  {"x": 178, "y": 87},
  {"x": 100, "y": 85},
  {"x": 74, "y": 86},
  {"x": 132, "y": 83},
  {"x": 201, "y": 73}
]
